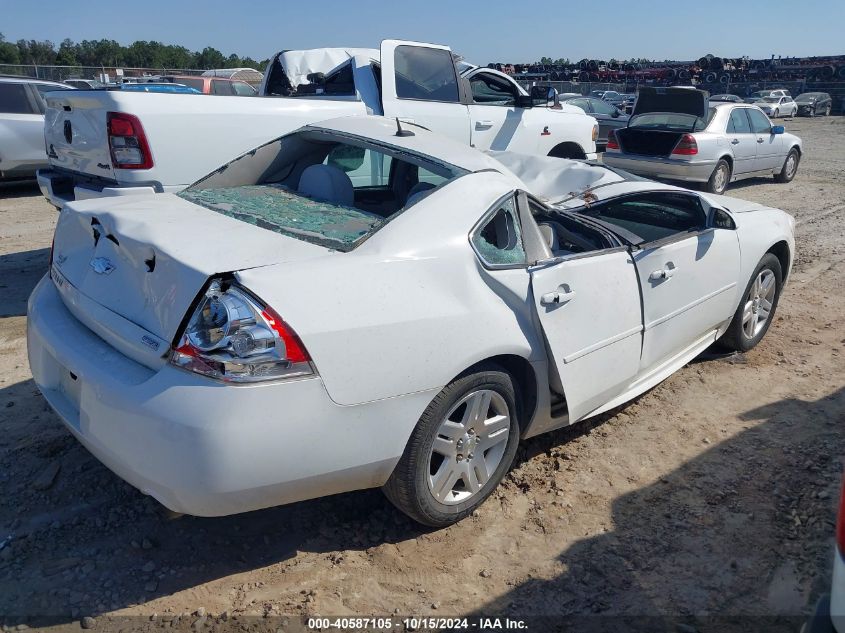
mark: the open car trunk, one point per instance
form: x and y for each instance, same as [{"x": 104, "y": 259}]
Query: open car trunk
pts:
[
  {"x": 661, "y": 116},
  {"x": 648, "y": 142}
]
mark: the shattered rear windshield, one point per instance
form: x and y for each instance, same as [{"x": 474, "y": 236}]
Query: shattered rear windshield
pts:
[{"x": 277, "y": 208}]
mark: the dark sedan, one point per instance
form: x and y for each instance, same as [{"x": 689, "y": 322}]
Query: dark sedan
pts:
[
  {"x": 608, "y": 116},
  {"x": 813, "y": 103}
]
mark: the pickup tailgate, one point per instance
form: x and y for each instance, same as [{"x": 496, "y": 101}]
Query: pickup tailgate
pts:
[
  {"x": 75, "y": 131},
  {"x": 130, "y": 269}
]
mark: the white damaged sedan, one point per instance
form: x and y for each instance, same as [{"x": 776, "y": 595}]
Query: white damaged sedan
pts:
[{"x": 358, "y": 304}]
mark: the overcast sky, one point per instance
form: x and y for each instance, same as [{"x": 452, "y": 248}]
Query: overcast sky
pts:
[{"x": 482, "y": 31}]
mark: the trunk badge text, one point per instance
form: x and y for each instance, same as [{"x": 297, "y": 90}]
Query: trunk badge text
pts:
[{"x": 102, "y": 265}]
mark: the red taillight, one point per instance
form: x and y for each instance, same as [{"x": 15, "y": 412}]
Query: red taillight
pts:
[
  {"x": 612, "y": 143},
  {"x": 840, "y": 522},
  {"x": 294, "y": 349},
  {"x": 686, "y": 146},
  {"x": 127, "y": 141}
]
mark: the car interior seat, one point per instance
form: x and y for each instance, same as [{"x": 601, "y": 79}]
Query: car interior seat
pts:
[
  {"x": 327, "y": 182},
  {"x": 418, "y": 192}
]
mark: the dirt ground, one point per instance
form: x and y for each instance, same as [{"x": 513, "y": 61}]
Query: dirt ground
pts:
[{"x": 712, "y": 494}]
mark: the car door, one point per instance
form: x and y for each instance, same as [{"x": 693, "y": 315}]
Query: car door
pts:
[
  {"x": 788, "y": 106},
  {"x": 420, "y": 84},
  {"x": 743, "y": 141},
  {"x": 22, "y": 114},
  {"x": 608, "y": 116},
  {"x": 770, "y": 155},
  {"x": 493, "y": 114},
  {"x": 687, "y": 272},
  {"x": 588, "y": 306}
]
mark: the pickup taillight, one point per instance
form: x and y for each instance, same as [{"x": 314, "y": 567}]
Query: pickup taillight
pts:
[
  {"x": 686, "y": 146},
  {"x": 127, "y": 142},
  {"x": 612, "y": 143}
]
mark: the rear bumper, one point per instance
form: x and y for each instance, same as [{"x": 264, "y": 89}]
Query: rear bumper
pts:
[
  {"x": 656, "y": 167},
  {"x": 61, "y": 187},
  {"x": 203, "y": 447}
]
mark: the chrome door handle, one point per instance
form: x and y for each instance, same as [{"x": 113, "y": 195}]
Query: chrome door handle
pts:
[
  {"x": 663, "y": 273},
  {"x": 760, "y": 140},
  {"x": 552, "y": 298},
  {"x": 735, "y": 141},
  {"x": 483, "y": 124}
]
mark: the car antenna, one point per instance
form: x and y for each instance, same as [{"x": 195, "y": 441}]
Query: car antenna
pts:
[{"x": 400, "y": 131}]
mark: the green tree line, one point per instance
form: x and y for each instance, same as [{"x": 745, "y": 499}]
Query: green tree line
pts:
[{"x": 106, "y": 52}]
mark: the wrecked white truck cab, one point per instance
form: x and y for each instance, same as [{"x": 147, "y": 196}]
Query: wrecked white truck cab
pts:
[
  {"x": 360, "y": 304},
  {"x": 113, "y": 143}
]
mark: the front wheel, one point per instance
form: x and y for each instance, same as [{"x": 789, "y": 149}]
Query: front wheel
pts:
[
  {"x": 756, "y": 310},
  {"x": 776, "y": 114},
  {"x": 827, "y": 111},
  {"x": 720, "y": 177},
  {"x": 790, "y": 167},
  {"x": 460, "y": 450}
]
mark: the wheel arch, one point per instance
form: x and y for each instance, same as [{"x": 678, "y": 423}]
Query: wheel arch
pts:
[
  {"x": 525, "y": 382},
  {"x": 781, "y": 251},
  {"x": 567, "y": 149}
]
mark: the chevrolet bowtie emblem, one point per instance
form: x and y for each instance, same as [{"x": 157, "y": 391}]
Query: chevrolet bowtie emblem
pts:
[{"x": 102, "y": 265}]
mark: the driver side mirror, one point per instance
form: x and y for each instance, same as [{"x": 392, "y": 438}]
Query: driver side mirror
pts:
[
  {"x": 720, "y": 219},
  {"x": 542, "y": 95},
  {"x": 777, "y": 129}
]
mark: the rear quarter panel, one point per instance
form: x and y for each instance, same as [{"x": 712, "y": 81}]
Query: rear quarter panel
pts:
[{"x": 412, "y": 307}]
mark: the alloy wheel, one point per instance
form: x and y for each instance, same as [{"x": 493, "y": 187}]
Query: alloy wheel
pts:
[
  {"x": 720, "y": 179},
  {"x": 791, "y": 165},
  {"x": 469, "y": 446},
  {"x": 758, "y": 303}
]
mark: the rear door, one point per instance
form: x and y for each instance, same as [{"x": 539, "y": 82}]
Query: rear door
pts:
[
  {"x": 589, "y": 309},
  {"x": 743, "y": 141},
  {"x": 21, "y": 127},
  {"x": 420, "y": 84}
]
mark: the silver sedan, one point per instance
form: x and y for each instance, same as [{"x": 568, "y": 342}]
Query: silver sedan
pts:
[{"x": 674, "y": 135}]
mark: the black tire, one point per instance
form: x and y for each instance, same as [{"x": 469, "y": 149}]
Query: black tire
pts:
[
  {"x": 827, "y": 111},
  {"x": 735, "y": 337},
  {"x": 776, "y": 114},
  {"x": 408, "y": 487},
  {"x": 717, "y": 184},
  {"x": 786, "y": 173}
]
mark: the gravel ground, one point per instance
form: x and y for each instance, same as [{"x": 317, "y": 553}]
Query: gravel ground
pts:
[{"x": 712, "y": 494}]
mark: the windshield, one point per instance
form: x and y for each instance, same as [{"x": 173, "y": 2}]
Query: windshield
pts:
[
  {"x": 806, "y": 98},
  {"x": 672, "y": 121}
]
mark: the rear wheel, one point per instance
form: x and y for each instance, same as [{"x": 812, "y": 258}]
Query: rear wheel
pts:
[
  {"x": 757, "y": 308},
  {"x": 460, "y": 450},
  {"x": 720, "y": 177},
  {"x": 790, "y": 167},
  {"x": 827, "y": 111}
]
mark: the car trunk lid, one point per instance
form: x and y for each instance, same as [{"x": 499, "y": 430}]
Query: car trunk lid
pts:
[
  {"x": 133, "y": 268},
  {"x": 647, "y": 142},
  {"x": 676, "y": 100}
]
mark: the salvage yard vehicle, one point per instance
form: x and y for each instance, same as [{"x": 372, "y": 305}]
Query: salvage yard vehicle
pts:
[
  {"x": 362, "y": 303},
  {"x": 22, "y": 125},
  {"x": 814, "y": 103},
  {"x": 109, "y": 143},
  {"x": 609, "y": 116},
  {"x": 754, "y": 97},
  {"x": 727, "y": 98},
  {"x": 777, "y": 106},
  {"x": 675, "y": 134},
  {"x": 213, "y": 85}
]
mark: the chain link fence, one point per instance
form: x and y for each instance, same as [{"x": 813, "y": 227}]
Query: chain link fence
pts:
[{"x": 60, "y": 73}]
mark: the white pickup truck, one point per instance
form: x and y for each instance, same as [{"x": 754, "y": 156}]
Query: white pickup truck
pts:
[{"x": 111, "y": 142}]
